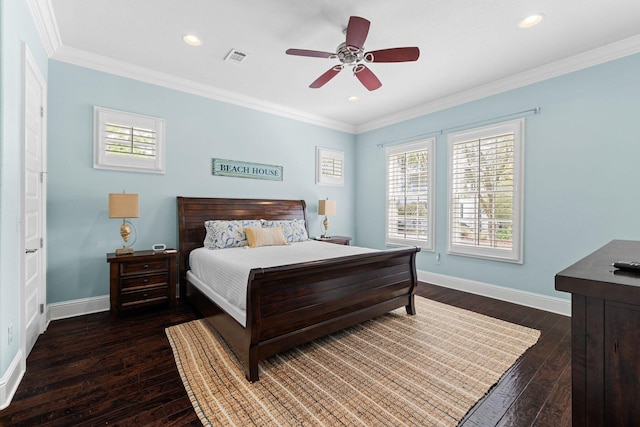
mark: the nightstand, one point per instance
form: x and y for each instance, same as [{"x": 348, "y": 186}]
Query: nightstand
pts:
[
  {"x": 143, "y": 279},
  {"x": 338, "y": 240}
]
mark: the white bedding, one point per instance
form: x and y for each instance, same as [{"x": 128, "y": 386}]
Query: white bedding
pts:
[{"x": 222, "y": 274}]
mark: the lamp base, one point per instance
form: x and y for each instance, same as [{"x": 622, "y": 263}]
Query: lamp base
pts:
[{"x": 124, "y": 251}]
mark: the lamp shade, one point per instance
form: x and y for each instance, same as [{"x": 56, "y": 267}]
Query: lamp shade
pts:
[
  {"x": 122, "y": 205},
  {"x": 326, "y": 207}
]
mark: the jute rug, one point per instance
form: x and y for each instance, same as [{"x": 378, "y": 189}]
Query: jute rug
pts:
[{"x": 423, "y": 370}]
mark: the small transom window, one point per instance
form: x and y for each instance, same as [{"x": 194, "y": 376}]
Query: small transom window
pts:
[{"x": 127, "y": 141}]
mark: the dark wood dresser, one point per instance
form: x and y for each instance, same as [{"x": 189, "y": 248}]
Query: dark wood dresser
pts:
[
  {"x": 143, "y": 279},
  {"x": 605, "y": 336}
]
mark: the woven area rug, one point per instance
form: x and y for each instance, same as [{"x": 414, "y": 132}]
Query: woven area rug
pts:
[{"x": 423, "y": 370}]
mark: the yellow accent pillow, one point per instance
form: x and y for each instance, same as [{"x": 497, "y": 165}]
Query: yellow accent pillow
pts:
[{"x": 270, "y": 236}]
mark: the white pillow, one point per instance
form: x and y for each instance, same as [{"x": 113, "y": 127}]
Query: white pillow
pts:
[
  {"x": 294, "y": 229},
  {"x": 227, "y": 234}
]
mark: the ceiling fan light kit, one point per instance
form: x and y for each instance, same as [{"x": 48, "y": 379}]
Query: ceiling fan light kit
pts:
[{"x": 351, "y": 53}]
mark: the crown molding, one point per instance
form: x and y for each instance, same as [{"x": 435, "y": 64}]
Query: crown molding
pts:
[
  {"x": 45, "y": 21},
  {"x": 124, "y": 69},
  {"x": 46, "y": 24},
  {"x": 44, "y": 18},
  {"x": 583, "y": 60}
]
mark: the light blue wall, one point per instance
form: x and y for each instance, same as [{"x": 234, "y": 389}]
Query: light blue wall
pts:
[
  {"x": 16, "y": 28},
  {"x": 198, "y": 129},
  {"x": 582, "y": 170}
]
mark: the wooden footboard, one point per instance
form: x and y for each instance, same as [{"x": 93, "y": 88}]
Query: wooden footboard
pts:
[{"x": 293, "y": 304}]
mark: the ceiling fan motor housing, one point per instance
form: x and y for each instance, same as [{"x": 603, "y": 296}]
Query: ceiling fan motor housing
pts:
[{"x": 349, "y": 54}]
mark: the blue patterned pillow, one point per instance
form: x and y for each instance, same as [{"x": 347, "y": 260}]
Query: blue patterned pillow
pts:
[
  {"x": 227, "y": 234},
  {"x": 294, "y": 229}
]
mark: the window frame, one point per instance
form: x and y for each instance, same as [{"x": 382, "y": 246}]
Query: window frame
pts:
[
  {"x": 334, "y": 160},
  {"x": 103, "y": 160},
  {"x": 428, "y": 145},
  {"x": 515, "y": 254}
]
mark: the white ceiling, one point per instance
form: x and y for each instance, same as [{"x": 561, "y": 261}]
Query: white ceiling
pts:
[{"x": 469, "y": 48}]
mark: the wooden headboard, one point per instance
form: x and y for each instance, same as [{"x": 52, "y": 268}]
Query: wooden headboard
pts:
[{"x": 194, "y": 211}]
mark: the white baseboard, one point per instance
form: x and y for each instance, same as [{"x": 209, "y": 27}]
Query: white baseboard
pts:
[
  {"x": 11, "y": 379},
  {"x": 78, "y": 307},
  {"x": 561, "y": 306},
  {"x": 528, "y": 299}
]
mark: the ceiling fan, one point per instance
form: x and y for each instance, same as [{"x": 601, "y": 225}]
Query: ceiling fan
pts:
[{"x": 352, "y": 53}]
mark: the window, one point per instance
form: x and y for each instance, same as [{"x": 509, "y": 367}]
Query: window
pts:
[
  {"x": 485, "y": 191},
  {"x": 410, "y": 183},
  {"x": 329, "y": 167},
  {"x": 126, "y": 141}
]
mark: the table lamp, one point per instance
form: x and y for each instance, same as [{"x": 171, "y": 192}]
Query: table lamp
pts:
[
  {"x": 326, "y": 207},
  {"x": 122, "y": 205}
]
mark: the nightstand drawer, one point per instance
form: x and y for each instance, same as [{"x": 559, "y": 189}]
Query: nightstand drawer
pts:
[
  {"x": 146, "y": 280},
  {"x": 139, "y": 267},
  {"x": 144, "y": 296}
]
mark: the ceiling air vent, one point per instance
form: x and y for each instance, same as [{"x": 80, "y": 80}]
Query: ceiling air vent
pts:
[{"x": 235, "y": 56}]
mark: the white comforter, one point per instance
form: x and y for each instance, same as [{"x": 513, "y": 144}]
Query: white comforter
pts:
[{"x": 226, "y": 271}]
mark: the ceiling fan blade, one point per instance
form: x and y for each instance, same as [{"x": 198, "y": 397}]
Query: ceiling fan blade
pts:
[
  {"x": 357, "y": 31},
  {"x": 366, "y": 77},
  {"x": 397, "y": 54},
  {"x": 323, "y": 79},
  {"x": 312, "y": 53}
]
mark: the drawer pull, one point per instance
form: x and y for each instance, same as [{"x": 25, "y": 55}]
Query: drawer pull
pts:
[
  {"x": 146, "y": 266},
  {"x": 145, "y": 281},
  {"x": 145, "y": 295}
]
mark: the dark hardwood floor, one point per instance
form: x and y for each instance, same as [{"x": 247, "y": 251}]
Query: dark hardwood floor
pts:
[
  {"x": 90, "y": 371},
  {"x": 536, "y": 391}
]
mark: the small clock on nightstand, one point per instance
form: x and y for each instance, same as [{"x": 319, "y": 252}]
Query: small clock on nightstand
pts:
[{"x": 338, "y": 240}]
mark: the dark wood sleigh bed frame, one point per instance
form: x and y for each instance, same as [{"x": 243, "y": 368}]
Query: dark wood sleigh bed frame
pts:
[{"x": 292, "y": 304}]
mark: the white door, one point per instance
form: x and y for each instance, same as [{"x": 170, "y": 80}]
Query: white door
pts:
[{"x": 33, "y": 176}]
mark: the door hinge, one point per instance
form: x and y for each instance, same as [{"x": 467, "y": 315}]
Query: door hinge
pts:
[
  {"x": 41, "y": 243},
  {"x": 41, "y": 308},
  {"x": 41, "y": 111}
]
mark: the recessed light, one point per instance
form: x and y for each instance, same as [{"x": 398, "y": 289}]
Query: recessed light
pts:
[
  {"x": 191, "y": 40},
  {"x": 531, "y": 20},
  {"x": 353, "y": 98}
]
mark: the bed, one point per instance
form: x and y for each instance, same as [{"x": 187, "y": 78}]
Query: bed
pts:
[{"x": 290, "y": 304}]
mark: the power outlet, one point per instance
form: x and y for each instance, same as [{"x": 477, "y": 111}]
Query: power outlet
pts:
[
  {"x": 438, "y": 258},
  {"x": 10, "y": 334}
]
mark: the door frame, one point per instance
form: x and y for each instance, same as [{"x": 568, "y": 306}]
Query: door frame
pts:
[{"x": 29, "y": 62}]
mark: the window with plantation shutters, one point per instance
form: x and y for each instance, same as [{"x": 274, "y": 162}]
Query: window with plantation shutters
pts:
[
  {"x": 126, "y": 141},
  {"x": 329, "y": 166},
  {"x": 485, "y": 185},
  {"x": 410, "y": 178}
]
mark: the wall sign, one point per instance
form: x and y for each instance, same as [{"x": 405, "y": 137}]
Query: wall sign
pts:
[{"x": 233, "y": 168}]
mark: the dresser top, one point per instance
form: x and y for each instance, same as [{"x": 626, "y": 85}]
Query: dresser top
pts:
[{"x": 594, "y": 275}]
